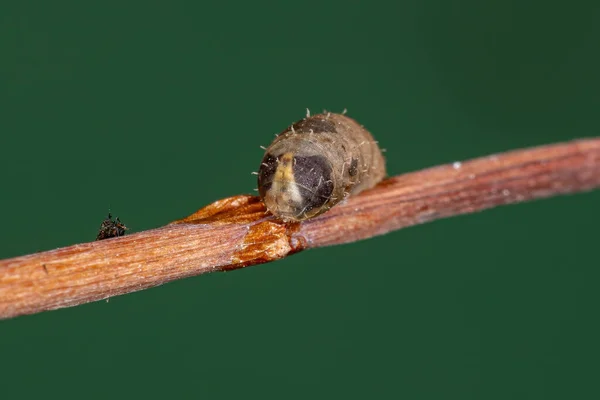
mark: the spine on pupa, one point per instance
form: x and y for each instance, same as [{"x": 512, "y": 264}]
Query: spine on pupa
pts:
[{"x": 316, "y": 163}]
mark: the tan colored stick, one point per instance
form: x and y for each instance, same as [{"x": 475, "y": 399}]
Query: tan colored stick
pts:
[{"x": 235, "y": 232}]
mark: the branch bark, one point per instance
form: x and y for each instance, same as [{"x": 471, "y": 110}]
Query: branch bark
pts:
[{"x": 236, "y": 232}]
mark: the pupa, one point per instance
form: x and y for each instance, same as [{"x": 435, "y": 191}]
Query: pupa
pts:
[{"x": 316, "y": 163}]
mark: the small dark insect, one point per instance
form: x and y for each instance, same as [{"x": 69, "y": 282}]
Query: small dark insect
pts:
[
  {"x": 316, "y": 163},
  {"x": 110, "y": 228}
]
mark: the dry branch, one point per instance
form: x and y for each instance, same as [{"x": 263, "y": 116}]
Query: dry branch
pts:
[{"x": 235, "y": 232}]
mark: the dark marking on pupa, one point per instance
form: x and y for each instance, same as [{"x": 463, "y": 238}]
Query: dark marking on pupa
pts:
[
  {"x": 302, "y": 176},
  {"x": 353, "y": 170},
  {"x": 314, "y": 125}
]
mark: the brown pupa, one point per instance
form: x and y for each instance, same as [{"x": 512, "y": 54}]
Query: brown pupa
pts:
[{"x": 316, "y": 163}]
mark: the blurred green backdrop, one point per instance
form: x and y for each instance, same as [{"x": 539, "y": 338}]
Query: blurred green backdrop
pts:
[{"x": 154, "y": 109}]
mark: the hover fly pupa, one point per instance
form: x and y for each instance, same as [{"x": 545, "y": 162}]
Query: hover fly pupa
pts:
[{"x": 316, "y": 163}]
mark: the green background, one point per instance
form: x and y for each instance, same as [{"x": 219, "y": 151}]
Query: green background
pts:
[{"x": 154, "y": 109}]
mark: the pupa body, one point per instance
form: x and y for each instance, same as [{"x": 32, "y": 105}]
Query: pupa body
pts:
[{"x": 316, "y": 163}]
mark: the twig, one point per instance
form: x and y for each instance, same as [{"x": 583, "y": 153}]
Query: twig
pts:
[{"x": 235, "y": 232}]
